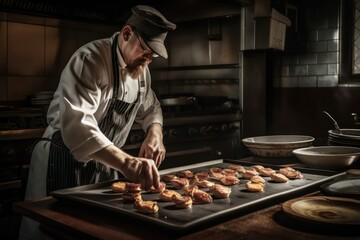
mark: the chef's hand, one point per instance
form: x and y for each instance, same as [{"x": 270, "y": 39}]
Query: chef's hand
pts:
[
  {"x": 135, "y": 169},
  {"x": 141, "y": 170},
  {"x": 153, "y": 146}
]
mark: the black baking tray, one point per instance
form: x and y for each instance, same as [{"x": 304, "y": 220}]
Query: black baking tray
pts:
[{"x": 240, "y": 201}]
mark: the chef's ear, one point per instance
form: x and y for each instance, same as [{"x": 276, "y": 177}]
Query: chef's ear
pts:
[{"x": 127, "y": 31}]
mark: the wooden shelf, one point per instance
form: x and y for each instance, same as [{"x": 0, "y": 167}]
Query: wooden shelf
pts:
[{"x": 19, "y": 134}]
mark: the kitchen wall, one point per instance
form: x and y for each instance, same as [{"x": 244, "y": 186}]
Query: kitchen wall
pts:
[
  {"x": 301, "y": 82},
  {"x": 305, "y": 79},
  {"x": 34, "y": 50}
]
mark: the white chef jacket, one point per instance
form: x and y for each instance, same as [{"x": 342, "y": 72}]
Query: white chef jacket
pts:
[{"x": 80, "y": 101}]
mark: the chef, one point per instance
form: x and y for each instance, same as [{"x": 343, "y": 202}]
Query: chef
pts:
[{"x": 103, "y": 90}]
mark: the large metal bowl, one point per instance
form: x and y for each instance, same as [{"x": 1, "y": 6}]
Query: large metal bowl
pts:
[
  {"x": 328, "y": 157},
  {"x": 276, "y": 145}
]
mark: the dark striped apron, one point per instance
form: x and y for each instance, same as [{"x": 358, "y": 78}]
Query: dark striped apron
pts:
[{"x": 64, "y": 171}]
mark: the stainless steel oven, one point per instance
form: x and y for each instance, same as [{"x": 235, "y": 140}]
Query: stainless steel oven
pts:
[{"x": 203, "y": 130}]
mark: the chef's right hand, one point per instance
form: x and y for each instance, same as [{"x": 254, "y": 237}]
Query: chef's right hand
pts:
[
  {"x": 141, "y": 170},
  {"x": 135, "y": 169}
]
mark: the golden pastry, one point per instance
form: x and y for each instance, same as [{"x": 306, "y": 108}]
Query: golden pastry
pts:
[{"x": 118, "y": 187}]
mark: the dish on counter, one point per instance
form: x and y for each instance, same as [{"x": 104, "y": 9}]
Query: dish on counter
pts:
[
  {"x": 323, "y": 209},
  {"x": 328, "y": 157},
  {"x": 344, "y": 186},
  {"x": 348, "y": 137},
  {"x": 349, "y": 134},
  {"x": 276, "y": 145}
]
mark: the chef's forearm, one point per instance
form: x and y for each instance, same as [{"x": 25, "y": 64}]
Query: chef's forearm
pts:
[
  {"x": 112, "y": 156},
  {"x": 155, "y": 129}
]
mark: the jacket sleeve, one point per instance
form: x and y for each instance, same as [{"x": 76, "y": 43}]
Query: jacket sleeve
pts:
[{"x": 80, "y": 96}]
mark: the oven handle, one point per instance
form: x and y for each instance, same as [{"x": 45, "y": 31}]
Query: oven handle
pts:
[{"x": 187, "y": 152}]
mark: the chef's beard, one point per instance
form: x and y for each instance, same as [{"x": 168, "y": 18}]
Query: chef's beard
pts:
[{"x": 136, "y": 69}]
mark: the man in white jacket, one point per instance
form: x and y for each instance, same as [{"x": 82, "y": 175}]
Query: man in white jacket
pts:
[{"x": 103, "y": 90}]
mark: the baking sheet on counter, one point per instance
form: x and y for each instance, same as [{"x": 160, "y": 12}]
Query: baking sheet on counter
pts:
[{"x": 240, "y": 201}]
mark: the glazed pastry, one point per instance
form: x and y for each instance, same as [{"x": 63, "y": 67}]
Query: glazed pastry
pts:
[
  {"x": 266, "y": 172},
  {"x": 215, "y": 172},
  {"x": 167, "y": 195},
  {"x": 179, "y": 183},
  {"x": 182, "y": 201},
  {"x": 229, "y": 172},
  {"x": 257, "y": 179},
  {"x": 132, "y": 192},
  {"x": 257, "y": 168},
  {"x": 185, "y": 174},
  {"x": 202, "y": 175},
  {"x": 118, "y": 187},
  {"x": 285, "y": 170},
  {"x": 148, "y": 207},
  {"x": 220, "y": 191},
  {"x": 291, "y": 173},
  {"x": 204, "y": 183},
  {"x": 161, "y": 188},
  {"x": 254, "y": 187},
  {"x": 229, "y": 180},
  {"x": 188, "y": 190},
  {"x": 201, "y": 197},
  {"x": 238, "y": 168},
  {"x": 249, "y": 173},
  {"x": 166, "y": 178},
  {"x": 278, "y": 177},
  {"x": 294, "y": 175}
]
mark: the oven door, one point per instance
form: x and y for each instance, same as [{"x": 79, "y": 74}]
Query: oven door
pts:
[
  {"x": 186, "y": 153},
  {"x": 180, "y": 154}
]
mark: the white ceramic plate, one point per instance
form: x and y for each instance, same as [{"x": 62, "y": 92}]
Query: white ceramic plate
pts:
[
  {"x": 329, "y": 210},
  {"x": 328, "y": 157},
  {"x": 277, "y": 145}
]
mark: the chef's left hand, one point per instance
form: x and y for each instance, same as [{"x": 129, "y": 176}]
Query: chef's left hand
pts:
[{"x": 153, "y": 146}]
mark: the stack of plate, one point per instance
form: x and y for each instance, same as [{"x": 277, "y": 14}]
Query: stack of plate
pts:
[
  {"x": 42, "y": 98},
  {"x": 347, "y": 137}
]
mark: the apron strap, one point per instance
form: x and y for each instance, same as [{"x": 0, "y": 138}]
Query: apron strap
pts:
[{"x": 115, "y": 67}]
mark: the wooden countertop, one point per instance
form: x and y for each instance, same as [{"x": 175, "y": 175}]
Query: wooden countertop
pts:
[{"x": 80, "y": 223}]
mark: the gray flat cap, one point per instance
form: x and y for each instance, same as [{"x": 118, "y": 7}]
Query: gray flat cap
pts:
[{"x": 152, "y": 26}]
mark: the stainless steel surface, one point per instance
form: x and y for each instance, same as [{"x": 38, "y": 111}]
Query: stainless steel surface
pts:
[
  {"x": 178, "y": 101},
  {"x": 193, "y": 139},
  {"x": 239, "y": 202}
]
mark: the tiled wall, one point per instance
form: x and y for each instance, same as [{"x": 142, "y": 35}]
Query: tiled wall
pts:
[
  {"x": 34, "y": 50},
  {"x": 311, "y": 57}
]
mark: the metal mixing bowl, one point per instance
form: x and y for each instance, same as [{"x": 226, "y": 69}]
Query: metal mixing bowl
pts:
[{"x": 328, "y": 157}]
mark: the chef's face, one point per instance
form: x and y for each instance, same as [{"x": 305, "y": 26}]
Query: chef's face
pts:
[{"x": 137, "y": 55}]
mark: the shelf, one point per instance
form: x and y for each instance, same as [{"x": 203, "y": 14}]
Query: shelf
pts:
[
  {"x": 10, "y": 185},
  {"x": 21, "y": 134}
]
